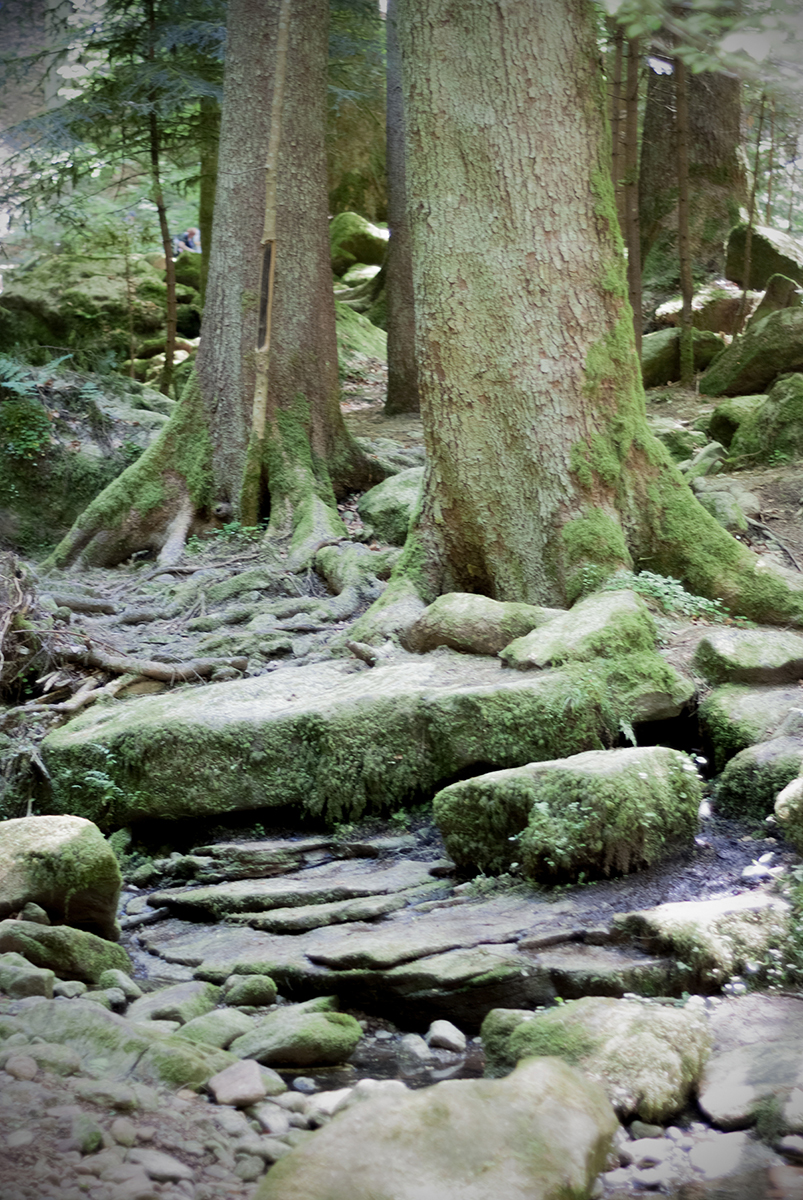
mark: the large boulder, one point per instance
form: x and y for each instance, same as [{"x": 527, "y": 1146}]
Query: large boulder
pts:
[
  {"x": 780, "y": 292},
  {"x": 589, "y": 815},
  {"x": 353, "y": 239},
  {"x": 767, "y": 349},
  {"x": 65, "y": 865},
  {"x": 542, "y": 1132},
  {"x": 357, "y": 335},
  {"x": 735, "y": 716},
  {"x": 307, "y": 736},
  {"x": 648, "y": 1057},
  {"x": 474, "y": 624},
  {"x": 389, "y": 506},
  {"x": 771, "y": 253},
  {"x": 660, "y": 354},
  {"x": 773, "y": 431}
]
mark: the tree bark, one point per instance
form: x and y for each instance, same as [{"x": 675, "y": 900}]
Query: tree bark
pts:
[
  {"x": 686, "y": 284},
  {"x": 616, "y": 117},
  {"x": 209, "y": 129},
  {"x": 402, "y": 369},
  {"x": 751, "y": 216},
  {"x": 154, "y": 144},
  {"x": 206, "y": 455},
  {"x": 542, "y": 476},
  {"x": 631, "y": 204}
]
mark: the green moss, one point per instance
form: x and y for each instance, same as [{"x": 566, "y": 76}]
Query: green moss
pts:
[
  {"x": 747, "y": 789},
  {"x": 594, "y": 538},
  {"x": 552, "y": 1036}
]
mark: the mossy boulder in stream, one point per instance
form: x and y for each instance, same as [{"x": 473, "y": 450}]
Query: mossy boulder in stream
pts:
[{"x": 588, "y": 815}]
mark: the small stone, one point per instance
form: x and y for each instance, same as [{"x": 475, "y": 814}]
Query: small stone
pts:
[
  {"x": 273, "y": 1119},
  {"x": 159, "y": 1166},
  {"x": 107, "y": 1093},
  {"x": 114, "y": 978},
  {"x": 255, "y": 991},
  {"x": 649, "y": 1152},
  {"x": 306, "y": 1085},
  {"x": 138, "y": 1187},
  {"x": 791, "y": 1146},
  {"x": 233, "y": 1124},
  {"x": 100, "y": 998},
  {"x": 21, "y": 1066},
  {"x": 86, "y": 1135},
  {"x": 34, "y": 912},
  {"x": 640, "y": 1129},
  {"x": 272, "y": 1149},
  {"x": 123, "y": 1131},
  {"x": 249, "y": 1168},
  {"x": 443, "y": 1035},
  {"x": 69, "y": 988},
  {"x": 20, "y": 1138},
  {"x": 239, "y": 1085},
  {"x": 414, "y": 1053}
]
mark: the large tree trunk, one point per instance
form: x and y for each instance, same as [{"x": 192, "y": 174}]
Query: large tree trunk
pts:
[
  {"x": 716, "y": 172},
  {"x": 402, "y": 369},
  {"x": 209, "y": 134},
  {"x": 542, "y": 475},
  {"x": 209, "y": 455}
]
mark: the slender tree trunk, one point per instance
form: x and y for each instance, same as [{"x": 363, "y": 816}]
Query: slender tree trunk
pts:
[
  {"x": 616, "y": 119},
  {"x": 686, "y": 282},
  {"x": 770, "y": 165},
  {"x": 751, "y": 215},
  {"x": 402, "y": 369},
  {"x": 209, "y": 129},
  {"x": 542, "y": 475},
  {"x": 158, "y": 198},
  {"x": 632, "y": 237}
]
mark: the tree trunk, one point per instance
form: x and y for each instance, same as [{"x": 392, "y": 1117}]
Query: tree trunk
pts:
[
  {"x": 616, "y": 118},
  {"x": 207, "y": 455},
  {"x": 751, "y": 216},
  {"x": 542, "y": 476},
  {"x": 402, "y": 369},
  {"x": 631, "y": 206},
  {"x": 209, "y": 137},
  {"x": 686, "y": 284},
  {"x": 154, "y": 140},
  {"x": 716, "y": 175}
]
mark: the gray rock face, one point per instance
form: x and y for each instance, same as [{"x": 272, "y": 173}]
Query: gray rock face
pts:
[
  {"x": 772, "y": 252},
  {"x": 752, "y": 779},
  {"x": 543, "y": 1132},
  {"x": 736, "y": 716},
  {"x": 388, "y": 507},
  {"x": 65, "y": 865},
  {"x": 660, "y": 359},
  {"x": 307, "y": 737},
  {"x": 767, "y": 349},
  {"x": 757, "y": 1056}
]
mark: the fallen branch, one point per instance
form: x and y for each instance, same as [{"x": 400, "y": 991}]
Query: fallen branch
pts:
[
  {"x": 196, "y": 668},
  {"x": 82, "y": 604}
]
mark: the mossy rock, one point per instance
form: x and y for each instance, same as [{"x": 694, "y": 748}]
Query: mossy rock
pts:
[
  {"x": 589, "y": 815},
  {"x": 680, "y": 441},
  {"x": 752, "y": 779},
  {"x": 660, "y": 354},
  {"x": 474, "y": 624},
  {"x": 710, "y": 940},
  {"x": 767, "y": 349},
  {"x": 65, "y": 865},
  {"x": 728, "y": 417},
  {"x": 773, "y": 430},
  {"x": 353, "y": 240},
  {"x": 188, "y": 270},
  {"x": 724, "y": 507},
  {"x": 647, "y": 1057},
  {"x": 181, "y": 1002},
  {"x": 300, "y": 1039},
  {"x": 789, "y": 811},
  {"x": 760, "y": 656},
  {"x": 388, "y": 508},
  {"x": 734, "y": 716},
  {"x": 781, "y": 292},
  {"x": 771, "y": 253},
  {"x": 607, "y": 624},
  {"x": 356, "y": 335},
  {"x": 69, "y": 953}
]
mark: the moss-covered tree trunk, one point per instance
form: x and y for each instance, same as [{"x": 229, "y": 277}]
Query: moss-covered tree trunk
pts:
[
  {"x": 298, "y": 455},
  {"x": 542, "y": 473},
  {"x": 402, "y": 370},
  {"x": 209, "y": 135},
  {"x": 716, "y": 175}
]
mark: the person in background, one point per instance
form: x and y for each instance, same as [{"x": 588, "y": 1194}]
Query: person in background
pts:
[{"x": 191, "y": 240}]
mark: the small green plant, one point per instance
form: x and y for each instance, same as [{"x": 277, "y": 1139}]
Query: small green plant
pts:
[
  {"x": 769, "y": 1122},
  {"x": 669, "y": 593},
  {"x": 778, "y": 459},
  {"x": 231, "y": 535}
]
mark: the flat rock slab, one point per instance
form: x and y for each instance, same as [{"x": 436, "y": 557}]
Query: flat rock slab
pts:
[
  {"x": 307, "y": 737},
  {"x": 330, "y": 882},
  {"x": 606, "y": 623}
]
